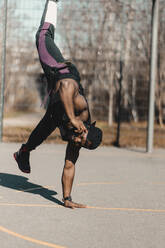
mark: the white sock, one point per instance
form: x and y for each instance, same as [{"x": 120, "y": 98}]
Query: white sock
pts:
[{"x": 51, "y": 14}]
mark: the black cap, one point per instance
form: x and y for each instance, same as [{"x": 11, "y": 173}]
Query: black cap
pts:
[{"x": 94, "y": 137}]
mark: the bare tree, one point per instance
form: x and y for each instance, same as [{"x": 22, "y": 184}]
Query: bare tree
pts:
[
  {"x": 21, "y": 64},
  {"x": 97, "y": 36},
  {"x": 90, "y": 43}
]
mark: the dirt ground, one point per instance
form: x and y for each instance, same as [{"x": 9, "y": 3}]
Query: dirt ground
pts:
[{"x": 130, "y": 135}]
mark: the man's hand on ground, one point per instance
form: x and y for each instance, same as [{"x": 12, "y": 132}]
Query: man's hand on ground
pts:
[
  {"x": 79, "y": 125},
  {"x": 70, "y": 204}
]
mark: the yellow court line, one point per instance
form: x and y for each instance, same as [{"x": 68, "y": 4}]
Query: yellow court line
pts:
[
  {"x": 89, "y": 207},
  {"x": 30, "y": 205},
  {"x": 130, "y": 209},
  {"x": 2, "y": 229}
]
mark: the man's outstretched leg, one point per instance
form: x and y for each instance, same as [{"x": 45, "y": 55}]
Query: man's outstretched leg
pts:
[{"x": 46, "y": 126}]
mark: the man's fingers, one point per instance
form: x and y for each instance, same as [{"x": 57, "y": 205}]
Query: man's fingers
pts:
[
  {"x": 79, "y": 125},
  {"x": 78, "y": 131},
  {"x": 80, "y": 206},
  {"x": 85, "y": 130},
  {"x": 73, "y": 205},
  {"x": 81, "y": 129}
]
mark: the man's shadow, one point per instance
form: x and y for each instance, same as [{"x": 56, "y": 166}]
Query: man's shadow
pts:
[{"x": 21, "y": 183}]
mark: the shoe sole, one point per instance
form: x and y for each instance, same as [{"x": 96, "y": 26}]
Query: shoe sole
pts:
[{"x": 15, "y": 157}]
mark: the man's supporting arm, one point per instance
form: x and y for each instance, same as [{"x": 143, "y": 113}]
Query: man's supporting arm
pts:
[{"x": 72, "y": 154}]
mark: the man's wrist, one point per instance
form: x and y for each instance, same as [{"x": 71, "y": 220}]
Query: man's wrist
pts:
[
  {"x": 68, "y": 198},
  {"x": 73, "y": 119}
]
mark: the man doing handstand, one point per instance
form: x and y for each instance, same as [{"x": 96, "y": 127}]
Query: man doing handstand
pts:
[{"x": 67, "y": 109}]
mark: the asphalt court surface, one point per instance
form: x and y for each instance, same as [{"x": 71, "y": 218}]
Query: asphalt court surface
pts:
[{"x": 124, "y": 190}]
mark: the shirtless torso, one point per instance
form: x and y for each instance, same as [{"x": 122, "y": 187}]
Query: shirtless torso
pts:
[{"x": 73, "y": 102}]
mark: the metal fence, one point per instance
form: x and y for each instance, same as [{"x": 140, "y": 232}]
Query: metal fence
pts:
[{"x": 110, "y": 43}]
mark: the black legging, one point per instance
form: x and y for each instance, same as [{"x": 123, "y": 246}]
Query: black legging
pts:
[
  {"x": 52, "y": 119},
  {"x": 53, "y": 63}
]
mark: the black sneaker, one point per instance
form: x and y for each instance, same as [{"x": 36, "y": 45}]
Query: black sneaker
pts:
[{"x": 22, "y": 159}]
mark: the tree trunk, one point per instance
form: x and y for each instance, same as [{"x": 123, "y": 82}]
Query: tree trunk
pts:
[
  {"x": 134, "y": 109},
  {"x": 110, "y": 113}
]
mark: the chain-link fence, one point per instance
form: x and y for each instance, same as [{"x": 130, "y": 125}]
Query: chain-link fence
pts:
[{"x": 109, "y": 41}]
